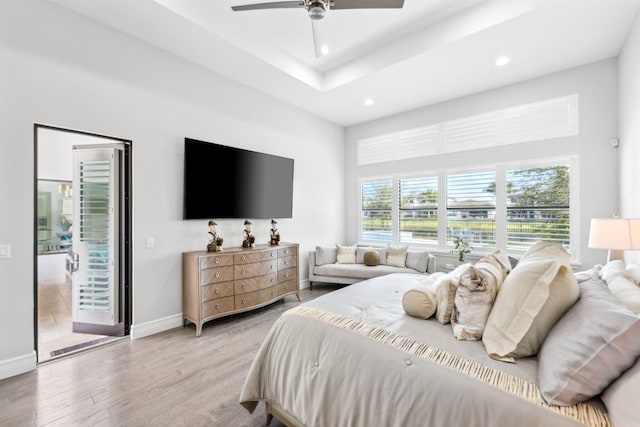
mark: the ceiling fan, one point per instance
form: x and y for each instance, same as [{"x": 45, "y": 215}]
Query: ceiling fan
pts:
[{"x": 317, "y": 10}]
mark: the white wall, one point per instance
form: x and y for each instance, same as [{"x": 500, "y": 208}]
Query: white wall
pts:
[
  {"x": 60, "y": 69},
  {"x": 629, "y": 128},
  {"x": 596, "y": 85}
]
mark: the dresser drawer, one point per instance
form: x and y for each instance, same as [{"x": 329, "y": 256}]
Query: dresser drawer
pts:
[
  {"x": 249, "y": 257},
  {"x": 254, "y": 298},
  {"x": 255, "y": 283},
  {"x": 216, "y": 275},
  {"x": 217, "y": 306},
  {"x": 287, "y": 251},
  {"x": 287, "y": 262},
  {"x": 244, "y": 271},
  {"x": 288, "y": 274},
  {"x": 288, "y": 286},
  {"x": 217, "y": 290},
  {"x": 207, "y": 261}
]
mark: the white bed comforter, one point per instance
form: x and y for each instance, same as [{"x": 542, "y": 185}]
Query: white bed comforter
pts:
[{"x": 354, "y": 358}]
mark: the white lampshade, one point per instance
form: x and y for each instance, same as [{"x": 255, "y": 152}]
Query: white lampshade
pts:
[{"x": 615, "y": 234}]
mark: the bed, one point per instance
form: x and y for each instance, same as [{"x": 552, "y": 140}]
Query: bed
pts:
[{"x": 353, "y": 357}]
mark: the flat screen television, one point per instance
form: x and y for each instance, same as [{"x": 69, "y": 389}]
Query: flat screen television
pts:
[{"x": 228, "y": 182}]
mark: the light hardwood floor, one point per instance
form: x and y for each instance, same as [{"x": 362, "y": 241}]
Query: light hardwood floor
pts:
[
  {"x": 55, "y": 330},
  {"x": 169, "y": 379}
]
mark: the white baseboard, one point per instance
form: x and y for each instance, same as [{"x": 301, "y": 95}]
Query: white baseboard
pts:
[
  {"x": 18, "y": 365},
  {"x": 156, "y": 326}
]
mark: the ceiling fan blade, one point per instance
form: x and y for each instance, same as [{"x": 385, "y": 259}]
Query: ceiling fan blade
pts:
[
  {"x": 366, "y": 4},
  {"x": 318, "y": 37},
  {"x": 273, "y": 5}
]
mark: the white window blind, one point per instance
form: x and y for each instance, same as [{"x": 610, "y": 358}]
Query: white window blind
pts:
[
  {"x": 538, "y": 206},
  {"x": 551, "y": 118},
  {"x": 471, "y": 208},
  {"x": 503, "y": 206},
  {"x": 470, "y": 133},
  {"x": 419, "y": 209},
  {"x": 376, "y": 213}
]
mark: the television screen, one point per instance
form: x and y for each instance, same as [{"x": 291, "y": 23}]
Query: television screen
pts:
[{"x": 228, "y": 182}]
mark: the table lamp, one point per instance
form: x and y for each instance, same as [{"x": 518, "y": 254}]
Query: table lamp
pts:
[{"x": 615, "y": 234}]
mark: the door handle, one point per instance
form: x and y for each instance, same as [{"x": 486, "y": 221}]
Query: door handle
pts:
[{"x": 74, "y": 264}]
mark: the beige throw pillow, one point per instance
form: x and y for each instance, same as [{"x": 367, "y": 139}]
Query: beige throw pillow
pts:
[
  {"x": 421, "y": 301},
  {"x": 397, "y": 255},
  {"x": 345, "y": 254},
  {"x": 446, "y": 292},
  {"x": 476, "y": 292},
  {"x": 534, "y": 295}
]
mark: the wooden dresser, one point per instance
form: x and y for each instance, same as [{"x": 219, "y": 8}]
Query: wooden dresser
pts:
[{"x": 217, "y": 284}]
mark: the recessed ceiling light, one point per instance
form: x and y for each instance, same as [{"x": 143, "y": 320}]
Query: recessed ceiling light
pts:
[
  {"x": 324, "y": 49},
  {"x": 503, "y": 60},
  {"x": 368, "y": 102}
]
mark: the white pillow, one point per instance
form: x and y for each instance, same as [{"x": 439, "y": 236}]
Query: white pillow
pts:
[
  {"x": 325, "y": 255},
  {"x": 345, "y": 254},
  {"x": 626, "y": 291},
  {"x": 534, "y": 295},
  {"x": 418, "y": 260},
  {"x": 633, "y": 271},
  {"x": 397, "y": 255},
  {"x": 586, "y": 350},
  {"x": 621, "y": 398},
  {"x": 612, "y": 269}
]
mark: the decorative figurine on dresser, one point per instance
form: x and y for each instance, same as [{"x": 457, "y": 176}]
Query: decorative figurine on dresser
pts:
[
  {"x": 215, "y": 241},
  {"x": 275, "y": 234},
  {"x": 249, "y": 239}
]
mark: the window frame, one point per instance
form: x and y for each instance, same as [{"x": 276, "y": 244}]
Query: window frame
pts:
[{"x": 501, "y": 204}]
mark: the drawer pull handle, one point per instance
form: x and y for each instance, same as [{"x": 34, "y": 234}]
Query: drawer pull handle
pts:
[
  {"x": 272, "y": 280},
  {"x": 244, "y": 258},
  {"x": 217, "y": 260},
  {"x": 286, "y": 287},
  {"x": 271, "y": 293},
  {"x": 218, "y": 306},
  {"x": 286, "y": 262},
  {"x": 217, "y": 290},
  {"x": 244, "y": 286},
  {"x": 217, "y": 274},
  {"x": 271, "y": 266},
  {"x": 272, "y": 254},
  {"x": 243, "y": 271},
  {"x": 286, "y": 274},
  {"x": 244, "y": 300}
]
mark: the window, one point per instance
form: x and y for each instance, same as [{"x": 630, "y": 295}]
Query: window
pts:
[
  {"x": 471, "y": 208},
  {"x": 419, "y": 210},
  {"x": 377, "y": 207},
  {"x": 537, "y": 206},
  {"x": 509, "y": 206},
  {"x": 546, "y": 119}
]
